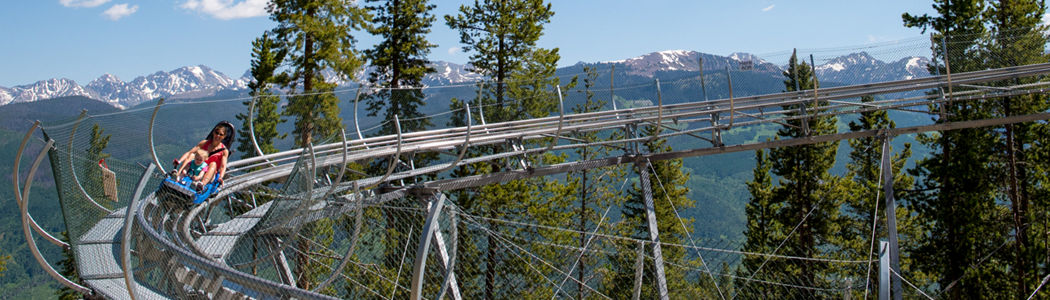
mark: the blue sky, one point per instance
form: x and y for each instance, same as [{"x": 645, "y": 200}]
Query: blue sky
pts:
[{"x": 83, "y": 39}]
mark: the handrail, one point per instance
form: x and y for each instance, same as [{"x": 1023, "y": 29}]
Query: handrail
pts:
[
  {"x": 342, "y": 168},
  {"x": 356, "y": 124},
  {"x": 125, "y": 244},
  {"x": 28, "y": 234},
  {"x": 18, "y": 197},
  {"x": 466, "y": 141},
  {"x": 394, "y": 158},
  {"x": 149, "y": 133},
  {"x": 561, "y": 118},
  {"x": 233, "y": 275},
  {"x": 251, "y": 130}
]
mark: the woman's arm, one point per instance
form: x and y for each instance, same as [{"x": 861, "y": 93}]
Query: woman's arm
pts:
[{"x": 225, "y": 157}]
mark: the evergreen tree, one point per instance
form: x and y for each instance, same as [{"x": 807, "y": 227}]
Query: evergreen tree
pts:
[
  {"x": 316, "y": 34},
  {"x": 669, "y": 195},
  {"x": 805, "y": 189},
  {"x": 400, "y": 61},
  {"x": 957, "y": 202},
  {"x": 266, "y": 58},
  {"x": 862, "y": 189},
  {"x": 501, "y": 37},
  {"x": 68, "y": 268},
  {"x": 97, "y": 144},
  {"x": 762, "y": 233},
  {"x": 1017, "y": 38},
  {"x": 598, "y": 189}
]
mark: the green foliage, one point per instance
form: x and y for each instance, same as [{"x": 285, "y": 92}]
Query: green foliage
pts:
[
  {"x": 668, "y": 191},
  {"x": 974, "y": 173},
  {"x": 265, "y": 60},
  {"x": 862, "y": 189},
  {"x": 400, "y": 61},
  {"x": 3, "y": 264},
  {"x": 68, "y": 268},
  {"x": 500, "y": 35},
  {"x": 316, "y": 34},
  {"x": 804, "y": 194},
  {"x": 1017, "y": 37}
]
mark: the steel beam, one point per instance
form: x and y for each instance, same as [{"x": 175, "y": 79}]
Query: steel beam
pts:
[
  {"x": 891, "y": 216},
  {"x": 436, "y": 203},
  {"x": 654, "y": 232}
]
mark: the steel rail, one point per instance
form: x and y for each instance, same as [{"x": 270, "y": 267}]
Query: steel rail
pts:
[
  {"x": 18, "y": 196},
  {"x": 541, "y": 126},
  {"x": 28, "y": 232},
  {"x": 149, "y": 133}
]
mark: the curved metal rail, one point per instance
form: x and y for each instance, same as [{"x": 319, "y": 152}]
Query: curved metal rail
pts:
[{"x": 761, "y": 109}]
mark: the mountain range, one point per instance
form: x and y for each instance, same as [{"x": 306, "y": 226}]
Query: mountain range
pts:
[{"x": 201, "y": 81}]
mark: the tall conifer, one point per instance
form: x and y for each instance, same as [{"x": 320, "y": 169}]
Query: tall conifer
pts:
[
  {"x": 400, "y": 61},
  {"x": 266, "y": 58},
  {"x": 1017, "y": 37},
  {"x": 957, "y": 199},
  {"x": 317, "y": 37},
  {"x": 501, "y": 36}
]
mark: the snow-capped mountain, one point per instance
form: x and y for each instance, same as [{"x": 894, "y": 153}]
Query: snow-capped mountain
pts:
[
  {"x": 863, "y": 68},
  {"x": 185, "y": 82},
  {"x": 446, "y": 73},
  {"x": 201, "y": 81},
  {"x": 44, "y": 89},
  {"x": 682, "y": 60}
]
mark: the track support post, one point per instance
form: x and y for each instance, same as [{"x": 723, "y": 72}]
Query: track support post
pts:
[{"x": 654, "y": 233}]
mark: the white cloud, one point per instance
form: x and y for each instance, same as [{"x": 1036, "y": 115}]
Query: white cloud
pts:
[
  {"x": 82, "y": 3},
  {"x": 1046, "y": 19},
  {"x": 116, "y": 12},
  {"x": 228, "y": 9},
  {"x": 768, "y": 8},
  {"x": 453, "y": 51}
]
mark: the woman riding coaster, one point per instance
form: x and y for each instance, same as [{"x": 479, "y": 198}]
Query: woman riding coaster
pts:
[{"x": 217, "y": 147}]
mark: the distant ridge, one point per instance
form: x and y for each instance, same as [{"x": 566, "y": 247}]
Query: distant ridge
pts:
[{"x": 194, "y": 82}]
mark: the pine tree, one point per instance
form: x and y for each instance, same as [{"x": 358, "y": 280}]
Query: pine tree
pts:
[
  {"x": 97, "y": 144},
  {"x": 265, "y": 60},
  {"x": 1017, "y": 38},
  {"x": 317, "y": 37},
  {"x": 68, "y": 269},
  {"x": 805, "y": 187},
  {"x": 762, "y": 233},
  {"x": 862, "y": 190},
  {"x": 957, "y": 202},
  {"x": 501, "y": 37},
  {"x": 400, "y": 61},
  {"x": 669, "y": 195},
  {"x": 598, "y": 189}
]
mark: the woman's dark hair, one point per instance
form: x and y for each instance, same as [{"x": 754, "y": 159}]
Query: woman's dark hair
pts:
[{"x": 226, "y": 140}]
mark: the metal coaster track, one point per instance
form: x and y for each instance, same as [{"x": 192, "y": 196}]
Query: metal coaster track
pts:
[{"x": 196, "y": 253}]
